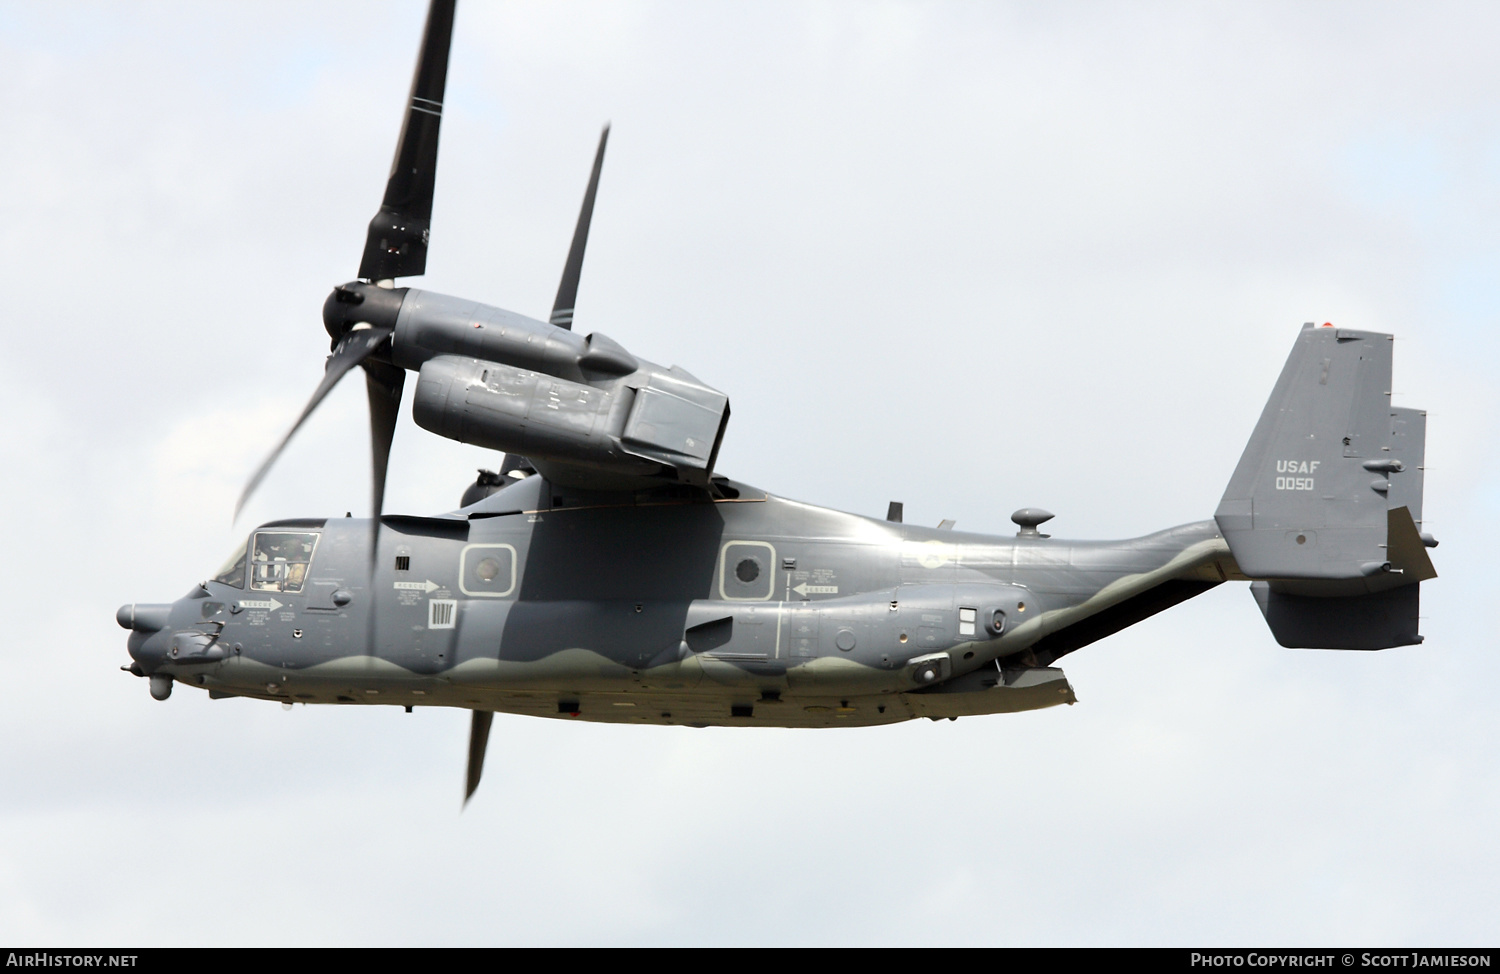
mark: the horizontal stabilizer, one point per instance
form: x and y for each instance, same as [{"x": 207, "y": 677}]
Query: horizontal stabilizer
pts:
[{"x": 1375, "y": 620}]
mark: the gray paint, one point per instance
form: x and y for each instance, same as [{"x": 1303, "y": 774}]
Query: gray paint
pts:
[{"x": 1304, "y": 501}]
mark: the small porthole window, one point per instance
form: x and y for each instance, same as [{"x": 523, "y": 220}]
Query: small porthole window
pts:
[
  {"x": 487, "y": 569},
  {"x": 747, "y": 570}
]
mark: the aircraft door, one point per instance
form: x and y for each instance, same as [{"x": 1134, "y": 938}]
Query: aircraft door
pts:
[
  {"x": 418, "y": 597},
  {"x": 335, "y": 612}
]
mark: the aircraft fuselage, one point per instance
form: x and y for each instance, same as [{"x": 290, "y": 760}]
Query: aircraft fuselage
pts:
[{"x": 669, "y": 607}]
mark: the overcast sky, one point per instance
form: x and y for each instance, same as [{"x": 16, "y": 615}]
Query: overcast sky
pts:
[{"x": 971, "y": 257}]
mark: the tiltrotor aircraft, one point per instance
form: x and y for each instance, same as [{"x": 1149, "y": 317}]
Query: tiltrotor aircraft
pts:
[{"x": 608, "y": 573}]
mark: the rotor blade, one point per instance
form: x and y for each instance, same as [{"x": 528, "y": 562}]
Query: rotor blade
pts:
[
  {"x": 355, "y": 347},
  {"x": 567, "y": 291},
  {"x": 479, "y": 739},
  {"x": 383, "y": 384},
  {"x": 396, "y": 243}
]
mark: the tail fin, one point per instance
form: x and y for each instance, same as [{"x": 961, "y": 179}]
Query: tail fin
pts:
[{"x": 1325, "y": 507}]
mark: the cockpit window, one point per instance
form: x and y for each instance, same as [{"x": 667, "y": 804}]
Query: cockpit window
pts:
[
  {"x": 233, "y": 572},
  {"x": 279, "y": 560}
]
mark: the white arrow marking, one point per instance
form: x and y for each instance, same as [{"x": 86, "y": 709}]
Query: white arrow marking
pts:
[
  {"x": 805, "y": 589},
  {"x": 271, "y": 604},
  {"x": 427, "y": 586}
]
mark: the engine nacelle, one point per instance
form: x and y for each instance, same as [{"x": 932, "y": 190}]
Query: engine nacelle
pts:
[
  {"x": 643, "y": 426},
  {"x": 584, "y": 410}
]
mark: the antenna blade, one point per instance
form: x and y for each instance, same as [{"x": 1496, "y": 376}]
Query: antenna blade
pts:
[
  {"x": 355, "y": 347},
  {"x": 479, "y": 739},
  {"x": 567, "y": 291},
  {"x": 396, "y": 243}
]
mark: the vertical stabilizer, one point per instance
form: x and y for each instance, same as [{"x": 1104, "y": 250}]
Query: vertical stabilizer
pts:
[
  {"x": 1325, "y": 507},
  {"x": 1309, "y": 497}
]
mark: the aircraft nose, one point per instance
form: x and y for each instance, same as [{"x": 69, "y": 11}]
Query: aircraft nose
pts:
[
  {"x": 143, "y": 616},
  {"x": 148, "y": 643}
]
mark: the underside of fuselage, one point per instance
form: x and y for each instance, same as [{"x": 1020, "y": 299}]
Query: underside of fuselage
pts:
[{"x": 1031, "y": 688}]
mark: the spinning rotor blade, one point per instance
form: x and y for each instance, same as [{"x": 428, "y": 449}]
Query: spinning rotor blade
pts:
[
  {"x": 567, "y": 290},
  {"x": 352, "y": 350},
  {"x": 396, "y": 243},
  {"x": 479, "y": 738},
  {"x": 383, "y": 384}
]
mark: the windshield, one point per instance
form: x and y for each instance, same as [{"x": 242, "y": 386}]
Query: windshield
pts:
[
  {"x": 279, "y": 560},
  {"x": 233, "y": 572}
]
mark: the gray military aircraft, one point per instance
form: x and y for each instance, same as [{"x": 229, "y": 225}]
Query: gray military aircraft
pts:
[{"x": 606, "y": 572}]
